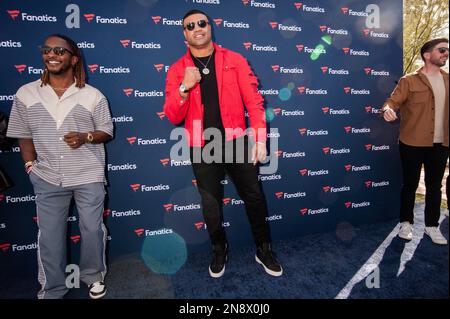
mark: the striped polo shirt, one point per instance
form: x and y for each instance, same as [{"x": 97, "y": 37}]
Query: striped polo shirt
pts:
[{"x": 39, "y": 114}]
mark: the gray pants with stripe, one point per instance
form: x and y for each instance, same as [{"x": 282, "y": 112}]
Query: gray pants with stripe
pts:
[{"x": 53, "y": 204}]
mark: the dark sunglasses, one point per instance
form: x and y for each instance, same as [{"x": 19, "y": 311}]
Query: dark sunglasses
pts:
[
  {"x": 191, "y": 25},
  {"x": 442, "y": 50},
  {"x": 56, "y": 50}
]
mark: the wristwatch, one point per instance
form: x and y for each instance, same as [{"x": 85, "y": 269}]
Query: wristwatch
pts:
[
  {"x": 89, "y": 137},
  {"x": 183, "y": 88}
]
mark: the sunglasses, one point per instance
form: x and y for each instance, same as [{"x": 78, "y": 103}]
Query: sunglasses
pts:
[
  {"x": 56, "y": 50},
  {"x": 442, "y": 50},
  {"x": 191, "y": 25}
]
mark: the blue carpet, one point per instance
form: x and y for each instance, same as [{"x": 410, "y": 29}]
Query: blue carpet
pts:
[{"x": 325, "y": 266}]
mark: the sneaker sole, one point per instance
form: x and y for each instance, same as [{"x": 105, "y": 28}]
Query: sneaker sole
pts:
[
  {"x": 405, "y": 237},
  {"x": 218, "y": 275},
  {"x": 97, "y": 296},
  {"x": 437, "y": 242},
  {"x": 270, "y": 272}
]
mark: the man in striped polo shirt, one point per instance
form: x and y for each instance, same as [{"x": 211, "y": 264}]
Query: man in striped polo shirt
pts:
[{"x": 61, "y": 124}]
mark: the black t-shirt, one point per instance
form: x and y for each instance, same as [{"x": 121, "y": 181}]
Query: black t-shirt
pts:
[{"x": 210, "y": 93}]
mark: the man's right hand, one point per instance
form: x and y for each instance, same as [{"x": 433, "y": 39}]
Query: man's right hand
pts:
[
  {"x": 191, "y": 77},
  {"x": 389, "y": 114}
]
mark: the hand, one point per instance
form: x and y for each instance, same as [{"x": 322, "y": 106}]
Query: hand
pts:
[
  {"x": 389, "y": 114},
  {"x": 191, "y": 77},
  {"x": 75, "y": 139},
  {"x": 259, "y": 152}
]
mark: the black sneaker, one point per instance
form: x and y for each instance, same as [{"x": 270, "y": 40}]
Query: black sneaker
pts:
[
  {"x": 217, "y": 266},
  {"x": 97, "y": 290},
  {"x": 265, "y": 257}
]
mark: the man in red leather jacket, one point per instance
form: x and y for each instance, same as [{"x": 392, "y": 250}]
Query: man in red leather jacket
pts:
[{"x": 207, "y": 90}]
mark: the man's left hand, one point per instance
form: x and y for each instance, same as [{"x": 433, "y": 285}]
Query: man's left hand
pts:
[
  {"x": 259, "y": 152},
  {"x": 75, "y": 139}
]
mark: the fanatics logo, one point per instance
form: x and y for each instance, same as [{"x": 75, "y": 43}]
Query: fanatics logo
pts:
[
  {"x": 135, "y": 187},
  {"x": 161, "y": 115},
  {"x": 245, "y": 2},
  {"x": 13, "y": 13},
  {"x": 368, "y": 184},
  {"x": 368, "y": 147},
  {"x": 346, "y": 50},
  {"x": 348, "y": 167},
  {"x": 125, "y": 43},
  {"x": 303, "y": 211},
  {"x": 347, "y": 89},
  {"x": 279, "y": 195},
  {"x": 366, "y": 32},
  {"x": 226, "y": 200},
  {"x": 131, "y": 140},
  {"x": 75, "y": 239},
  {"x": 298, "y": 5},
  {"x": 199, "y": 225},
  {"x": 128, "y": 91},
  {"x": 301, "y": 89},
  {"x": 326, "y": 189},
  {"x": 275, "y": 68},
  {"x": 273, "y": 24},
  {"x": 300, "y": 47},
  {"x": 347, "y": 129},
  {"x": 158, "y": 67},
  {"x": 348, "y": 204},
  {"x": 20, "y": 67},
  {"x": 324, "y": 69},
  {"x": 344, "y": 10},
  {"x": 194, "y": 182},
  {"x": 278, "y": 153},
  {"x": 89, "y": 17},
  {"x": 139, "y": 231},
  {"x": 276, "y": 111},
  {"x": 93, "y": 67},
  {"x": 325, "y": 109},
  {"x": 326, "y": 150},
  {"x": 368, "y": 109},
  {"x": 302, "y": 131},
  {"x": 168, "y": 207},
  {"x": 164, "y": 161},
  {"x": 156, "y": 19},
  {"x": 218, "y": 21},
  {"x": 323, "y": 28},
  {"x": 367, "y": 70},
  {"x": 106, "y": 212},
  {"x": 303, "y": 171},
  {"x": 2, "y": 197},
  {"x": 247, "y": 45},
  {"x": 5, "y": 247}
]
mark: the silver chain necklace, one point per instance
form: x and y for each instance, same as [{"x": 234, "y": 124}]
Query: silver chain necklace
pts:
[{"x": 205, "y": 70}]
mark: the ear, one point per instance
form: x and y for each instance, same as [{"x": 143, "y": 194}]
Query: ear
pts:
[
  {"x": 427, "y": 55},
  {"x": 74, "y": 60}
]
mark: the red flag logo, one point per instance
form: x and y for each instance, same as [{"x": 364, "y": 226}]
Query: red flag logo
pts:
[
  {"x": 156, "y": 19},
  {"x": 13, "y": 13},
  {"x": 325, "y": 150},
  {"x": 139, "y": 231},
  {"x": 20, "y": 67},
  {"x": 324, "y": 69},
  {"x": 93, "y": 67},
  {"x": 344, "y": 10},
  {"x": 300, "y": 47},
  {"x": 302, "y": 131},
  {"x": 161, "y": 115},
  {"x": 273, "y": 24},
  {"x": 298, "y": 5},
  {"x": 164, "y": 161},
  {"x": 75, "y": 239},
  {"x": 275, "y": 67},
  {"x": 4, "y": 247},
  {"x": 348, "y": 167},
  {"x": 279, "y": 195},
  {"x": 131, "y": 140},
  {"x": 326, "y": 189},
  {"x": 89, "y": 17},
  {"x": 325, "y": 109},
  {"x": 135, "y": 187},
  {"x": 303, "y": 171},
  {"x": 367, "y": 70},
  {"x": 346, "y": 50},
  {"x": 347, "y": 89},
  {"x": 347, "y": 129},
  {"x": 128, "y": 91},
  {"x": 218, "y": 21},
  {"x": 301, "y": 89},
  {"x": 348, "y": 204},
  {"x": 303, "y": 211},
  {"x": 247, "y": 45},
  {"x": 168, "y": 207},
  {"x": 125, "y": 43},
  {"x": 323, "y": 28}
]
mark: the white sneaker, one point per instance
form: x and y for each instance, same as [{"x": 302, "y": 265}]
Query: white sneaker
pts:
[
  {"x": 435, "y": 235},
  {"x": 97, "y": 290},
  {"x": 405, "y": 231}
]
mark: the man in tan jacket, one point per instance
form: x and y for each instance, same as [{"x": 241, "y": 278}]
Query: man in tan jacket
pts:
[{"x": 422, "y": 100}]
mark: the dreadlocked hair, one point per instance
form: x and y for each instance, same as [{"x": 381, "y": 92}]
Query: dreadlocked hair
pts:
[{"x": 78, "y": 68}]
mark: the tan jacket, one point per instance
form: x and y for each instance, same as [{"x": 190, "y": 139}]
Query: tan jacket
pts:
[{"x": 414, "y": 97}]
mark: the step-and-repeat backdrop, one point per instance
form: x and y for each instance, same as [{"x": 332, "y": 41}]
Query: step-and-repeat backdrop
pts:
[{"x": 325, "y": 68}]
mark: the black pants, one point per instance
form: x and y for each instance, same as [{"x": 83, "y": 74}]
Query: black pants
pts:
[
  {"x": 434, "y": 160},
  {"x": 245, "y": 178}
]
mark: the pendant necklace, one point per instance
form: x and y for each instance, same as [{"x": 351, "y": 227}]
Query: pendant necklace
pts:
[{"x": 205, "y": 70}]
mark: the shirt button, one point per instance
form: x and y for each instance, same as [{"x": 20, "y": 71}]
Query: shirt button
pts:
[{"x": 60, "y": 138}]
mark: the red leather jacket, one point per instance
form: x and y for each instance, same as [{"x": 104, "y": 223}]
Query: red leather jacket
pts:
[{"x": 237, "y": 86}]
